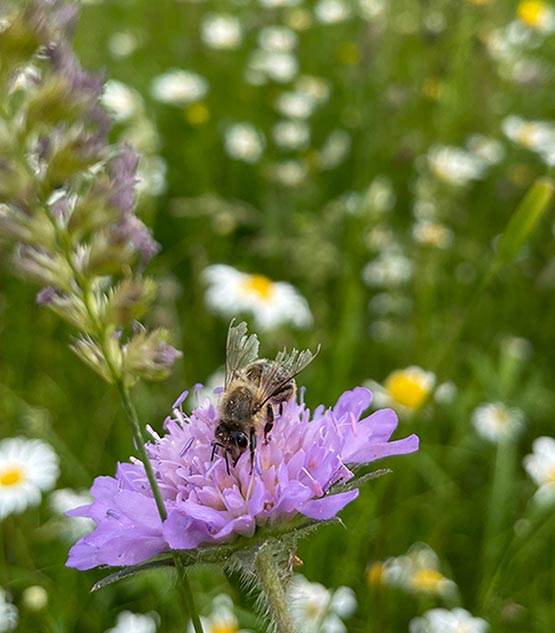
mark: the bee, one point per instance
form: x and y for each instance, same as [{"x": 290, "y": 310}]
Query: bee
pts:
[{"x": 255, "y": 389}]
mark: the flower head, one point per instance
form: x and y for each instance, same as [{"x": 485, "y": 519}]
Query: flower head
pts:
[
  {"x": 405, "y": 389},
  {"x": 271, "y": 303},
  {"x": 27, "y": 468},
  {"x": 178, "y": 87},
  {"x": 540, "y": 465},
  {"x": 8, "y": 613},
  {"x": 297, "y": 473},
  {"x": 495, "y": 422},
  {"x": 244, "y": 142},
  {"x": 128, "y": 622},
  {"x": 445, "y": 621},
  {"x": 416, "y": 572},
  {"x": 317, "y": 609}
]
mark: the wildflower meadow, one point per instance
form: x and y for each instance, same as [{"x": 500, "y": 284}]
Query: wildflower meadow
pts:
[{"x": 277, "y": 316}]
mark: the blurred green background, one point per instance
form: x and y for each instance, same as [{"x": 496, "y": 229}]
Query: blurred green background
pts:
[{"x": 437, "y": 114}]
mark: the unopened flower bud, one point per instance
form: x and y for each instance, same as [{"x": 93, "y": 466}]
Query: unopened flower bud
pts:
[
  {"x": 129, "y": 301},
  {"x": 69, "y": 307},
  {"x": 91, "y": 354},
  {"x": 29, "y": 229},
  {"x": 44, "y": 267},
  {"x": 148, "y": 355}
]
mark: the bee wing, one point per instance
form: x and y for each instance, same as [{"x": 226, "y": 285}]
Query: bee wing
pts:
[
  {"x": 240, "y": 350},
  {"x": 286, "y": 366}
]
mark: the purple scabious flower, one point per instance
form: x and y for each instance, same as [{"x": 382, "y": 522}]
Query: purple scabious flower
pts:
[{"x": 295, "y": 473}]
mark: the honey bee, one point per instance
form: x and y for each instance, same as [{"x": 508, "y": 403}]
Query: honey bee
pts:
[{"x": 255, "y": 390}]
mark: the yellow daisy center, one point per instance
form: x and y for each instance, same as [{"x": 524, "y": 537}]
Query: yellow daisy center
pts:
[
  {"x": 258, "y": 285},
  {"x": 550, "y": 479},
  {"x": 532, "y": 12},
  {"x": 374, "y": 575},
  {"x": 407, "y": 388},
  {"x": 427, "y": 580},
  {"x": 224, "y": 627},
  {"x": 11, "y": 477}
]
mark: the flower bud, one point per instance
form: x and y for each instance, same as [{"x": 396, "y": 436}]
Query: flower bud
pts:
[
  {"x": 73, "y": 152},
  {"x": 148, "y": 355},
  {"x": 29, "y": 229},
  {"x": 69, "y": 307},
  {"x": 44, "y": 267},
  {"x": 91, "y": 354},
  {"x": 129, "y": 301}
]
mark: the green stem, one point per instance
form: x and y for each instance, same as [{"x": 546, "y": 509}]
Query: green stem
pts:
[{"x": 272, "y": 588}]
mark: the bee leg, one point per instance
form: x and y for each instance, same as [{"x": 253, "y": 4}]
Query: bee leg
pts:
[
  {"x": 252, "y": 445},
  {"x": 214, "y": 449},
  {"x": 226, "y": 462},
  {"x": 269, "y": 424}
]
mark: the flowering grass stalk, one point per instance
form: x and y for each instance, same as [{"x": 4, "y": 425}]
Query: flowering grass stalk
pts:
[{"x": 67, "y": 199}]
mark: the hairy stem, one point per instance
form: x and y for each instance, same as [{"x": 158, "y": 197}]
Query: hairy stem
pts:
[{"x": 272, "y": 589}]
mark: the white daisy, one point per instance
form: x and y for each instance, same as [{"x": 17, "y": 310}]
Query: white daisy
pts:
[
  {"x": 495, "y": 422},
  {"x": 389, "y": 269},
  {"x": 316, "y": 609},
  {"x": 27, "y": 468},
  {"x": 291, "y": 135},
  {"x": 406, "y": 390},
  {"x": 289, "y": 173},
  {"x": 60, "y": 501},
  {"x": 417, "y": 572},
  {"x": 297, "y": 105},
  {"x": 455, "y": 165},
  {"x": 128, "y": 622},
  {"x": 122, "y": 101},
  {"x": 34, "y": 598},
  {"x": 8, "y": 613},
  {"x": 537, "y": 136},
  {"x": 271, "y": 303},
  {"x": 540, "y": 465},
  {"x": 332, "y": 11},
  {"x": 445, "y": 621},
  {"x": 221, "y": 31},
  {"x": 537, "y": 15},
  {"x": 277, "y": 66},
  {"x": 432, "y": 234},
  {"x": 178, "y": 87},
  {"x": 277, "y": 38},
  {"x": 244, "y": 142},
  {"x": 123, "y": 43}
]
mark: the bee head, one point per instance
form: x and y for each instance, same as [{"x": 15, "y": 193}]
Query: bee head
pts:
[{"x": 231, "y": 439}]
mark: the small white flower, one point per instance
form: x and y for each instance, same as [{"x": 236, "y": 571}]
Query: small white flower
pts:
[
  {"x": 540, "y": 465},
  {"x": 537, "y": 15},
  {"x": 221, "y": 31},
  {"x": 128, "y": 622},
  {"x": 455, "y": 165},
  {"x": 178, "y": 87},
  {"x": 490, "y": 150},
  {"x": 445, "y": 621},
  {"x": 27, "y": 468},
  {"x": 222, "y": 617},
  {"x": 537, "y": 136},
  {"x": 244, "y": 142},
  {"x": 389, "y": 269},
  {"x": 275, "y": 4},
  {"x": 278, "y": 39},
  {"x": 297, "y": 105},
  {"x": 289, "y": 173},
  {"x": 291, "y": 135},
  {"x": 432, "y": 234},
  {"x": 316, "y": 609},
  {"x": 314, "y": 88},
  {"x": 332, "y": 11},
  {"x": 271, "y": 303},
  {"x": 8, "y": 613},
  {"x": 123, "y": 43},
  {"x": 122, "y": 101},
  {"x": 60, "y": 501},
  {"x": 273, "y": 65},
  {"x": 495, "y": 422}
]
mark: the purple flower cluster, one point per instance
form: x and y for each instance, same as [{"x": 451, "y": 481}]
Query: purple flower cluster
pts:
[{"x": 294, "y": 474}]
